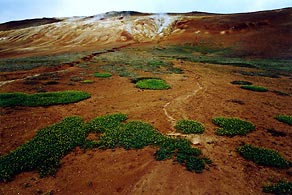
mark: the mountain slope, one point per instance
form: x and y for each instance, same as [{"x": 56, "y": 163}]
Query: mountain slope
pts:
[{"x": 257, "y": 34}]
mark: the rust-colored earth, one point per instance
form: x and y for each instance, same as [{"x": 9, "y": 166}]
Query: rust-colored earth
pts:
[{"x": 202, "y": 92}]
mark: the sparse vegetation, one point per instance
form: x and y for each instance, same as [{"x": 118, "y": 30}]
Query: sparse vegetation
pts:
[
  {"x": 279, "y": 188},
  {"x": 269, "y": 74},
  {"x": 285, "y": 119},
  {"x": 129, "y": 62},
  {"x": 41, "y": 99},
  {"x": 206, "y": 53},
  {"x": 45, "y": 150},
  {"x": 276, "y": 133},
  {"x": 28, "y": 63},
  {"x": 76, "y": 79},
  {"x": 241, "y": 83},
  {"x": 87, "y": 81},
  {"x": 102, "y": 74},
  {"x": 155, "y": 84},
  {"x": 280, "y": 93},
  {"x": 254, "y": 88},
  {"x": 263, "y": 156},
  {"x": 236, "y": 101},
  {"x": 233, "y": 126},
  {"x": 189, "y": 127}
]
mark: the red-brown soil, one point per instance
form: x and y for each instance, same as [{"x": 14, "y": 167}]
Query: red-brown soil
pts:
[{"x": 201, "y": 93}]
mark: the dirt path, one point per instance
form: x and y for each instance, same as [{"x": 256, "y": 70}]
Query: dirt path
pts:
[{"x": 177, "y": 105}]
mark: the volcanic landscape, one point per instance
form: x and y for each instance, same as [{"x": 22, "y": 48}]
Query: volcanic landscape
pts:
[{"x": 207, "y": 60}]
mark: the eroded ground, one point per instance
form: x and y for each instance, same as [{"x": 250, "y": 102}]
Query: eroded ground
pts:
[{"x": 202, "y": 92}]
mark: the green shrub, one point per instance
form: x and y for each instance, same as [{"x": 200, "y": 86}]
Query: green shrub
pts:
[
  {"x": 102, "y": 74},
  {"x": 137, "y": 135},
  {"x": 285, "y": 119},
  {"x": 241, "y": 83},
  {"x": 189, "y": 126},
  {"x": 263, "y": 156},
  {"x": 87, "y": 81},
  {"x": 136, "y": 79},
  {"x": 254, "y": 88},
  {"x": 107, "y": 122},
  {"x": 233, "y": 126},
  {"x": 41, "y": 99},
  {"x": 185, "y": 154},
  {"x": 155, "y": 84},
  {"x": 45, "y": 150},
  {"x": 280, "y": 188}
]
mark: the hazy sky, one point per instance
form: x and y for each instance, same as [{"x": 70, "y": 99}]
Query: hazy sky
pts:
[{"x": 24, "y": 9}]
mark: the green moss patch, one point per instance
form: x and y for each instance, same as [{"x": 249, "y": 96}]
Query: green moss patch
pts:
[
  {"x": 285, "y": 119},
  {"x": 156, "y": 84},
  {"x": 263, "y": 156},
  {"x": 102, "y": 74},
  {"x": 136, "y": 135},
  {"x": 189, "y": 127},
  {"x": 279, "y": 188},
  {"x": 45, "y": 150},
  {"x": 42, "y": 99},
  {"x": 113, "y": 133},
  {"x": 233, "y": 126},
  {"x": 87, "y": 81},
  {"x": 254, "y": 88}
]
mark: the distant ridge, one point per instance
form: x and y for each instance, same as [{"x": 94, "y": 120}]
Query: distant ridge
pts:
[{"x": 13, "y": 25}]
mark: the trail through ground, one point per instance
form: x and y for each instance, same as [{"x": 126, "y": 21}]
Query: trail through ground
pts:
[{"x": 178, "y": 103}]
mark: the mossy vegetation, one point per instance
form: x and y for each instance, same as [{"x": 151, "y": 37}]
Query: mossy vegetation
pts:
[
  {"x": 207, "y": 53},
  {"x": 279, "y": 188},
  {"x": 136, "y": 135},
  {"x": 102, "y": 74},
  {"x": 28, "y": 63},
  {"x": 41, "y": 99},
  {"x": 280, "y": 93},
  {"x": 263, "y": 156},
  {"x": 87, "y": 81},
  {"x": 284, "y": 119},
  {"x": 155, "y": 84},
  {"x": 189, "y": 127},
  {"x": 254, "y": 88},
  {"x": 239, "y": 82},
  {"x": 130, "y": 62},
  {"x": 233, "y": 126},
  {"x": 45, "y": 150}
]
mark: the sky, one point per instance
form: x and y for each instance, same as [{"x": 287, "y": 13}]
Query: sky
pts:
[{"x": 28, "y": 9}]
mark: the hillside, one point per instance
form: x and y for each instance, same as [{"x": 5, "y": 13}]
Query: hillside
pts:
[
  {"x": 265, "y": 34},
  {"x": 144, "y": 103}
]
